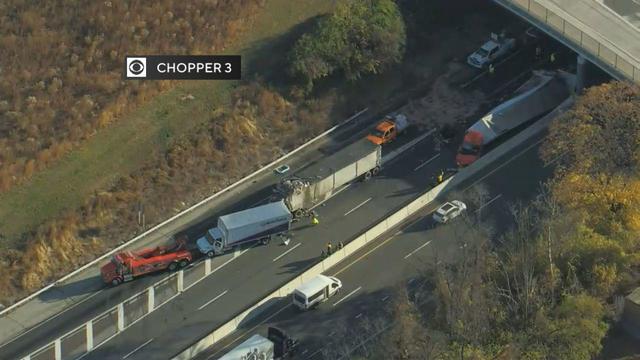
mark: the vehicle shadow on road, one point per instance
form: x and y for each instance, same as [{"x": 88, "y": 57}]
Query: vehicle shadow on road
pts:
[
  {"x": 298, "y": 266},
  {"x": 65, "y": 291}
]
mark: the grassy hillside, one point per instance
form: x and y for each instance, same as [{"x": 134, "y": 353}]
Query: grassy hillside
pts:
[{"x": 129, "y": 143}]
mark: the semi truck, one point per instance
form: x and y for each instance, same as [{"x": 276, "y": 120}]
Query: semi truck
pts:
[
  {"x": 277, "y": 345},
  {"x": 316, "y": 183},
  {"x": 259, "y": 223},
  {"x": 543, "y": 92},
  {"x": 388, "y": 129},
  {"x": 127, "y": 265}
]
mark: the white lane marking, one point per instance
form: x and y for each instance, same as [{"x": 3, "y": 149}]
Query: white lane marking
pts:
[
  {"x": 286, "y": 252},
  {"x": 489, "y": 202},
  {"x": 254, "y": 204},
  {"x": 212, "y": 300},
  {"x": 346, "y": 296},
  {"x": 230, "y": 260},
  {"x": 385, "y": 298},
  {"x": 416, "y": 250},
  {"x": 357, "y": 316},
  {"x": 357, "y": 207},
  {"x": 411, "y": 280},
  {"x": 426, "y": 162},
  {"x": 136, "y": 349}
]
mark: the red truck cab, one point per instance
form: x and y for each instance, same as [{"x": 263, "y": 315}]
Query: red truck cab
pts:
[
  {"x": 126, "y": 265},
  {"x": 470, "y": 149}
]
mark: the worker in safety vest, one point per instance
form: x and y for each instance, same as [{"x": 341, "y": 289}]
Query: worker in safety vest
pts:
[
  {"x": 441, "y": 176},
  {"x": 315, "y": 221}
]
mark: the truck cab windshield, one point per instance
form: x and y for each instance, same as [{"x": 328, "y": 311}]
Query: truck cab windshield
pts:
[
  {"x": 209, "y": 238},
  {"x": 378, "y": 133},
  {"x": 468, "y": 149}
]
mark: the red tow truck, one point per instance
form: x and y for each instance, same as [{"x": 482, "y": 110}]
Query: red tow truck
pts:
[{"x": 126, "y": 265}]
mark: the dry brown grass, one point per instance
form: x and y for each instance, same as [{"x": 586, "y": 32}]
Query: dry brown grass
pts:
[
  {"x": 62, "y": 62},
  {"x": 258, "y": 127}
]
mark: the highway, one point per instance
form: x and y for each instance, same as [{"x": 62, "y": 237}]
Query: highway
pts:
[
  {"x": 242, "y": 280},
  {"x": 370, "y": 275}
]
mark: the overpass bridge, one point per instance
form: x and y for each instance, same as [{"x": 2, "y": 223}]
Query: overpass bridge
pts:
[{"x": 605, "y": 32}]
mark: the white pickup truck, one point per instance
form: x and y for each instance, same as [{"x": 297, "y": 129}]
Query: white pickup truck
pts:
[{"x": 492, "y": 50}]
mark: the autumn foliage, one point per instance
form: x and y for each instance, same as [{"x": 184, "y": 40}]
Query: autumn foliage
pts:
[
  {"x": 258, "y": 127},
  {"x": 62, "y": 64}
]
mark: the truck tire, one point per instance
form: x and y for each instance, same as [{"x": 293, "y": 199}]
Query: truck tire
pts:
[
  {"x": 375, "y": 170},
  {"x": 183, "y": 263},
  {"x": 116, "y": 281},
  {"x": 265, "y": 240},
  {"x": 173, "y": 266},
  {"x": 367, "y": 176},
  {"x": 211, "y": 254},
  {"x": 298, "y": 213}
]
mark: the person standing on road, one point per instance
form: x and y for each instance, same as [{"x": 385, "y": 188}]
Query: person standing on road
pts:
[
  {"x": 286, "y": 240},
  {"x": 538, "y": 52},
  {"x": 492, "y": 69},
  {"x": 340, "y": 245},
  {"x": 329, "y": 248},
  {"x": 552, "y": 57},
  {"x": 441, "y": 176}
]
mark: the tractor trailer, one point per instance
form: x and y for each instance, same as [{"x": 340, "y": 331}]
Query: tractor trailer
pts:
[
  {"x": 277, "y": 345},
  {"x": 260, "y": 223},
  {"x": 536, "y": 97},
  {"x": 312, "y": 185}
]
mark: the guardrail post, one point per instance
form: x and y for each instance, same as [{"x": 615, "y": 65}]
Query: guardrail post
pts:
[
  {"x": 120, "y": 309},
  {"x": 57, "y": 348},
  {"x": 207, "y": 266},
  {"x": 89, "y": 328},
  {"x": 151, "y": 298},
  {"x": 181, "y": 281}
]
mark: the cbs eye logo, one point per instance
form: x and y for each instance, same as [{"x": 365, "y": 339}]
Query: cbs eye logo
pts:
[{"x": 136, "y": 67}]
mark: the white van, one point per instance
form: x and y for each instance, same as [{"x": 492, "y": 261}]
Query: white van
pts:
[{"x": 315, "y": 291}]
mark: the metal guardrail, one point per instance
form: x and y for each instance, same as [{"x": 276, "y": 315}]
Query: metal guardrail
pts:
[
  {"x": 177, "y": 216},
  {"x": 614, "y": 59}
]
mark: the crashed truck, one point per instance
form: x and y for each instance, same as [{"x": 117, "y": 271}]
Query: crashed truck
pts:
[
  {"x": 316, "y": 183},
  {"x": 543, "y": 92}
]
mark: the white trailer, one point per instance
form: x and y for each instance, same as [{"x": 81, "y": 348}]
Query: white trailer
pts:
[
  {"x": 260, "y": 223},
  {"x": 303, "y": 190},
  {"x": 256, "y": 347}
]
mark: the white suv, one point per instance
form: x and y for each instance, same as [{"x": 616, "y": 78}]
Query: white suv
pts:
[{"x": 448, "y": 211}]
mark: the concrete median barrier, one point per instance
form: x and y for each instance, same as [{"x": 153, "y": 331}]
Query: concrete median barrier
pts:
[{"x": 405, "y": 213}]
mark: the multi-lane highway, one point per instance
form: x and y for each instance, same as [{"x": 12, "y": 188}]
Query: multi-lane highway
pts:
[
  {"x": 246, "y": 278},
  {"x": 370, "y": 275}
]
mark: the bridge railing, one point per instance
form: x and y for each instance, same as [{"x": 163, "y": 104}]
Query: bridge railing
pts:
[{"x": 612, "y": 57}]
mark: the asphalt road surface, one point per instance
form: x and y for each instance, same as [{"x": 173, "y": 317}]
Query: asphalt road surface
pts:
[
  {"x": 258, "y": 271},
  {"x": 370, "y": 275}
]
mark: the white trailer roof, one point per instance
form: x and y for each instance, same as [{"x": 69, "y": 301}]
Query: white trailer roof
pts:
[
  {"x": 314, "y": 285},
  {"x": 540, "y": 94},
  {"x": 240, "y": 352},
  {"x": 258, "y": 214}
]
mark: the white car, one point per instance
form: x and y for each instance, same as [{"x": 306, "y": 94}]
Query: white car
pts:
[
  {"x": 491, "y": 51},
  {"x": 449, "y": 210},
  {"x": 282, "y": 169}
]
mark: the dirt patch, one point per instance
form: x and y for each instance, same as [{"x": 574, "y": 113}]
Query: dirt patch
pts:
[{"x": 445, "y": 104}]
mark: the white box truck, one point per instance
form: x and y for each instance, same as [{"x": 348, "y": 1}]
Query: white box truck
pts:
[
  {"x": 315, "y": 291},
  {"x": 260, "y": 223},
  {"x": 318, "y": 182},
  {"x": 277, "y": 345}
]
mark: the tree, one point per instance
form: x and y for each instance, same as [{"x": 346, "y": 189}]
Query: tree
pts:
[{"x": 360, "y": 37}]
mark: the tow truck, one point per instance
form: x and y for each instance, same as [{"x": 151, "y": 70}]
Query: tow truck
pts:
[{"x": 127, "y": 265}]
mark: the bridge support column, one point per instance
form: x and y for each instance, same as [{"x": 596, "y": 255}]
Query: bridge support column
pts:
[{"x": 581, "y": 73}]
